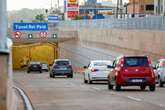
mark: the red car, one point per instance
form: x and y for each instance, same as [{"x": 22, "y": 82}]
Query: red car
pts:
[{"x": 132, "y": 71}]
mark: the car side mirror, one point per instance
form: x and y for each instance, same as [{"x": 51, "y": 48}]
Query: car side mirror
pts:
[
  {"x": 85, "y": 67},
  {"x": 110, "y": 66}
]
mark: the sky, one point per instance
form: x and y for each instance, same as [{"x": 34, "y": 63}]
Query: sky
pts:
[{"x": 33, "y": 4}]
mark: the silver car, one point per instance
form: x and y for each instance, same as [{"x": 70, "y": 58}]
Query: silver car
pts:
[{"x": 160, "y": 72}]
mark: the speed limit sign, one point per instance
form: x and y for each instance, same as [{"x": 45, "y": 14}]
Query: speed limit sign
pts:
[{"x": 43, "y": 34}]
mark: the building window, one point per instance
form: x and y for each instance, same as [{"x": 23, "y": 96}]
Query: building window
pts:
[{"x": 149, "y": 7}]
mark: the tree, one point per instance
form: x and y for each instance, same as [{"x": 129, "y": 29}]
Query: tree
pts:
[{"x": 40, "y": 17}]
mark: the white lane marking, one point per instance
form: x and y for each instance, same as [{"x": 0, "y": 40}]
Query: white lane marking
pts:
[
  {"x": 113, "y": 93},
  {"x": 97, "y": 89},
  {"x": 134, "y": 98}
]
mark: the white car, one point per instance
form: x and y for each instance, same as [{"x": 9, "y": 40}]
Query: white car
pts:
[
  {"x": 160, "y": 71},
  {"x": 45, "y": 66},
  {"x": 97, "y": 70}
]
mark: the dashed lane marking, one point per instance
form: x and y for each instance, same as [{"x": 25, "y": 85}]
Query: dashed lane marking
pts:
[{"x": 134, "y": 98}]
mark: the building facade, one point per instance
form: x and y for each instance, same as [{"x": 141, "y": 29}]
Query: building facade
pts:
[
  {"x": 159, "y": 7},
  {"x": 141, "y": 7}
]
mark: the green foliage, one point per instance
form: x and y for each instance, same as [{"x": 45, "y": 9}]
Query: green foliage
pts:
[
  {"x": 78, "y": 17},
  {"x": 40, "y": 17}
]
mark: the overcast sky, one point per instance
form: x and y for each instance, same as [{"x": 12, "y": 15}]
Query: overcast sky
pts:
[{"x": 32, "y": 4}]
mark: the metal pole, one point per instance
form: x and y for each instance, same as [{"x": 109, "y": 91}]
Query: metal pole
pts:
[
  {"x": 58, "y": 4},
  {"x": 117, "y": 9},
  {"x": 3, "y": 25},
  {"x": 121, "y": 8},
  {"x": 133, "y": 9}
]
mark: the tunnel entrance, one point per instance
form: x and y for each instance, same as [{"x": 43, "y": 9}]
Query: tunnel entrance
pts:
[{"x": 43, "y": 52}]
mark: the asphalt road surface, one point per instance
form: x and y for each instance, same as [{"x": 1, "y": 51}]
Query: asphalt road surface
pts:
[{"x": 72, "y": 94}]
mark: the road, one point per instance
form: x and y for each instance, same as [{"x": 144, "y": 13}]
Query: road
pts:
[
  {"x": 80, "y": 55},
  {"x": 72, "y": 94}
]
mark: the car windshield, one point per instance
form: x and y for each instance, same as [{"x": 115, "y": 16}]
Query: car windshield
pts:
[
  {"x": 100, "y": 64},
  {"x": 136, "y": 61},
  {"x": 62, "y": 62}
]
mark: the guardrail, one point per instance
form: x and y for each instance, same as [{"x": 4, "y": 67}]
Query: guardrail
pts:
[{"x": 143, "y": 23}]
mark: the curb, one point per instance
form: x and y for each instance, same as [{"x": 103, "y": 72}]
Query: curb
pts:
[{"x": 26, "y": 100}]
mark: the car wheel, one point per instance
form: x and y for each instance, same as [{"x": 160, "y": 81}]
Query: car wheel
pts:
[
  {"x": 50, "y": 75},
  {"x": 28, "y": 72},
  {"x": 85, "y": 81},
  {"x": 90, "y": 82},
  {"x": 40, "y": 71},
  {"x": 117, "y": 87},
  {"x": 160, "y": 83},
  {"x": 70, "y": 76},
  {"x": 152, "y": 87},
  {"x": 110, "y": 87},
  {"x": 142, "y": 88}
]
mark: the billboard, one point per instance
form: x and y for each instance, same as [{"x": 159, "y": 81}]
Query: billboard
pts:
[{"x": 72, "y": 8}]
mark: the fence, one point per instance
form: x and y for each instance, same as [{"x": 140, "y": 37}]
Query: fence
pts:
[{"x": 143, "y": 23}]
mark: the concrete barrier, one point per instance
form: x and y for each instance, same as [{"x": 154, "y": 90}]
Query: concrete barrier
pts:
[
  {"x": 150, "y": 43},
  {"x": 143, "y": 42}
]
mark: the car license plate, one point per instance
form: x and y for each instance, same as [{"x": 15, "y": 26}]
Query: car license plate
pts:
[
  {"x": 63, "y": 68},
  {"x": 137, "y": 80}
]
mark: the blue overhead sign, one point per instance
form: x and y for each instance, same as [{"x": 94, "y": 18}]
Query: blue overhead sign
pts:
[
  {"x": 53, "y": 19},
  {"x": 31, "y": 26}
]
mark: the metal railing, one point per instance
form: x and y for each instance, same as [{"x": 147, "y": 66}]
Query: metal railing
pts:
[{"x": 143, "y": 23}]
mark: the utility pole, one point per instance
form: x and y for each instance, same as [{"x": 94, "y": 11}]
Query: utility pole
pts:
[
  {"x": 121, "y": 8},
  {"x": 58, "y": 2},
  {"x": 117, "y": 9}
]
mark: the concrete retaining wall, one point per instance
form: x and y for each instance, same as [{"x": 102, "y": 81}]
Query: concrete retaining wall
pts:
[
  {"x": 136, "y": 42},
  {"x": 143, "y": 42}
]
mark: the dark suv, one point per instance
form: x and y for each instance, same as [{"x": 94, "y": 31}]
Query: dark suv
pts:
[
  {"x": 132, "y": 71},
  {"x": 61, "y": 67},
  {"x": 34, "y": 66}
]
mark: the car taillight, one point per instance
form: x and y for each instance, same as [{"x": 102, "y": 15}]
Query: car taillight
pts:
[
  {"x": 69, "y": 66},
  {"x": 150, "y": 61},
  {"x": 153, "y": 75},
  {"x": 122, "y": 62},
  {"x": 94, "y": 70}
]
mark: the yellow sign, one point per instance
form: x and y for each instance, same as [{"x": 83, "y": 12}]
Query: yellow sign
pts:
[{"x": 72, "y": 1}]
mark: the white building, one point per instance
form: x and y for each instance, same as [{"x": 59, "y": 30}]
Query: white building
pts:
[{"x": 159, "y": 7}]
